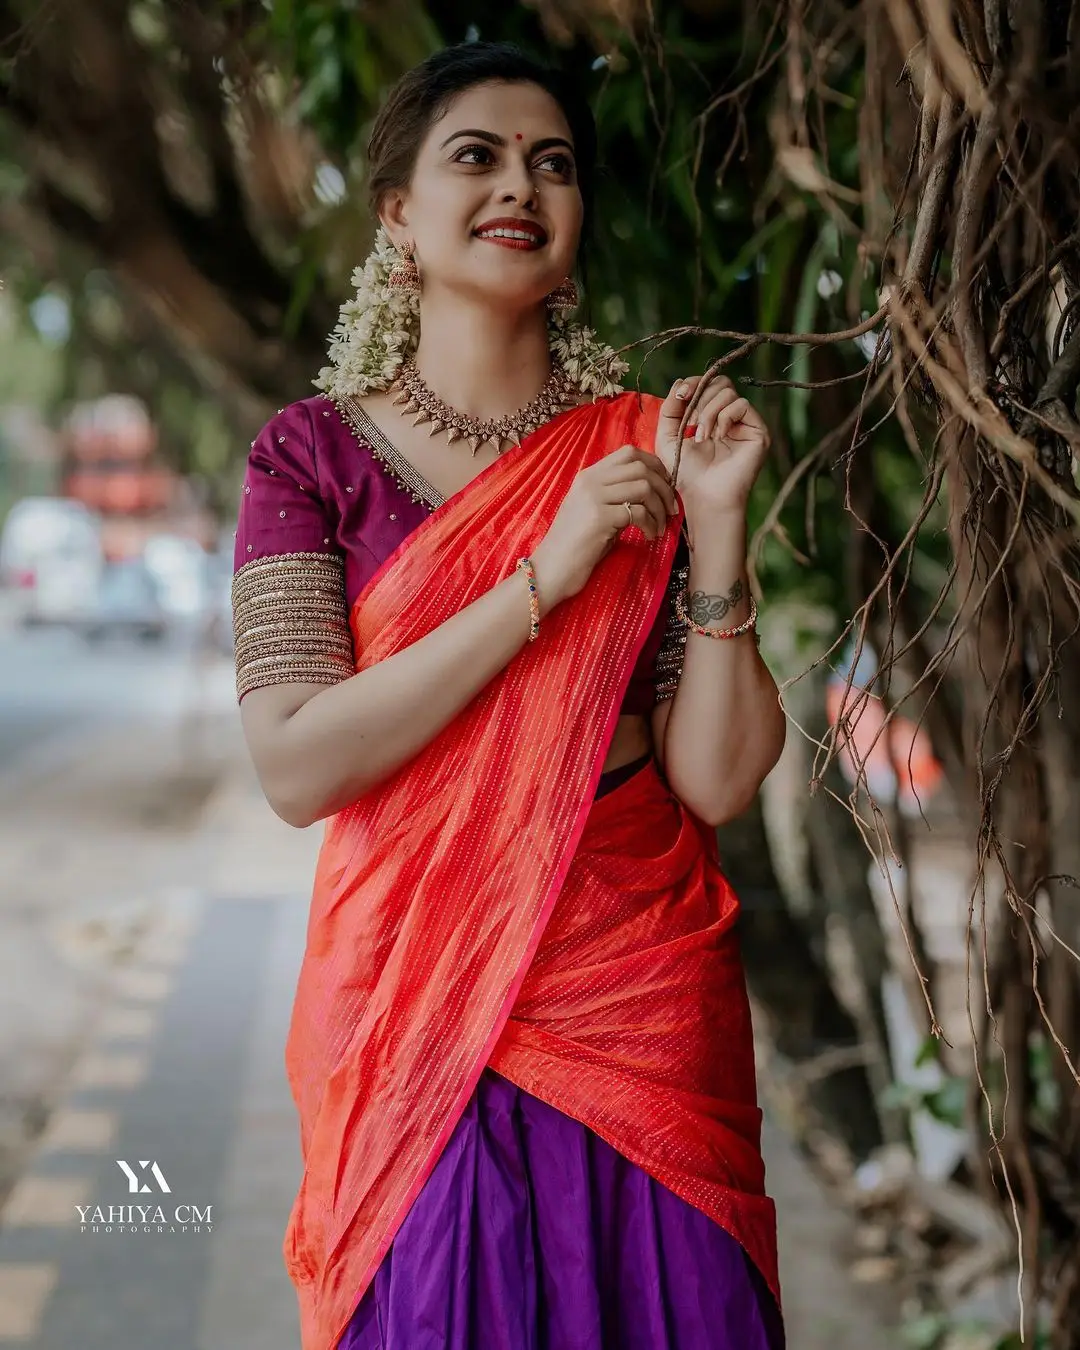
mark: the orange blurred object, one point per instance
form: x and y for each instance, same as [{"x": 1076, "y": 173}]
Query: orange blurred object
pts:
[{"x": 898, "y": 760}]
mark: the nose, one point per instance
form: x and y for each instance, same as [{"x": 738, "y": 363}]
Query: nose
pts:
[{"x": 519, "y": 187}]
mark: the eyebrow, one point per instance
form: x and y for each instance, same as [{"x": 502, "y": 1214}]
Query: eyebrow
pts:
[{"x": 493, "y": 138}]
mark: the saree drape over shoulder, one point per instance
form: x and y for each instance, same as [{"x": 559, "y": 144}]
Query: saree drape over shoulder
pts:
[{"x": 478, "y": 908}]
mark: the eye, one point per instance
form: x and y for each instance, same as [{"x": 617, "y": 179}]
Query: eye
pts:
[
  {"x": 484, "y": 151},
  {"x": 557, "y": 163}
]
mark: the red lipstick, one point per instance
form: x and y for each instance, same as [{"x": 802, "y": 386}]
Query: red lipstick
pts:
[{"x": 512, "y": 233}]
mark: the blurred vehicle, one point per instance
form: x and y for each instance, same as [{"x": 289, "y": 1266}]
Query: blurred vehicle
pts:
[
  {"x": 178, "y": 565},
  {"x": 219, "y": 616},
  {"x": 128, "y": 603},
  {"x": 51, "y": 556}
]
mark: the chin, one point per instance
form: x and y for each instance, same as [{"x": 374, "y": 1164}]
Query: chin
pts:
[{"x": 508, "y": 287}]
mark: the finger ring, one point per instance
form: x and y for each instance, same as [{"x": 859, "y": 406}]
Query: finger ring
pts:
[{"x": 629, "y": 511}]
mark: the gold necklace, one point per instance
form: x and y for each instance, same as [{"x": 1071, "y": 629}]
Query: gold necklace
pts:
[{"x": 417, "y": 397}]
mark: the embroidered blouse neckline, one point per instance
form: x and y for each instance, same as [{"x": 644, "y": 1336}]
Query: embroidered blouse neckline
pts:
[{"x": 389, "y": 456}]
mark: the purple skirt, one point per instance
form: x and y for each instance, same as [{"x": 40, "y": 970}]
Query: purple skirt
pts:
[{"x": 533, "y": 1233}]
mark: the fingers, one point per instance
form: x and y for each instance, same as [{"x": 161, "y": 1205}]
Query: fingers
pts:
[
  {"x": 632, "y": 456},
  {"x": 660, "y": 481},
  {"x": 648, "y": 473},
  {"x": 713, "y": 397},
  {"x": 710, "y": 410},
  {"x": 724, "y": 414},
  {"x": 648, "y": 502},
  {"x": 680, "y": 394},
  {"x": 734, "y": 412},
  {"x": 673, "y": 407},
  {"x": 629, "y": 463},
  {"x": 655, "y": 518}
]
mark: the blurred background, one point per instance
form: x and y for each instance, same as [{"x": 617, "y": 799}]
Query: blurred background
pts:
[{"x": 868, "y": 210}]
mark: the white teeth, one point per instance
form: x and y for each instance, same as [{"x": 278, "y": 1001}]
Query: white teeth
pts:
[{"x": 501, "y": 233}]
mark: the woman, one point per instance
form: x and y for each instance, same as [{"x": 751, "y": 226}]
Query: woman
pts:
[{"x": 520, "y": 1047}]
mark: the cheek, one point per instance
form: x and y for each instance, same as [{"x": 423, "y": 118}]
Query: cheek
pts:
[
  {"x": 570, "y": 214},
  {"x": 569, "y": 233},
  {"x": 443, "y": 206}
]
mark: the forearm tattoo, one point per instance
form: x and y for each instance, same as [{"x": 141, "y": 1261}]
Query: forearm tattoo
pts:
[{"x": 701, "y": 607}]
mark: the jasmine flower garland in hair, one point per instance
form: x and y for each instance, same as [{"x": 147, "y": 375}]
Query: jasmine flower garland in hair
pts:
[
  {"x": 380, "y": 326},
  {"x": 375, "y": 331}
]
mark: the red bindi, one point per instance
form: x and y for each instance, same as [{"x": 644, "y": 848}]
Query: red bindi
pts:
[{"x": 518, "y": 136}]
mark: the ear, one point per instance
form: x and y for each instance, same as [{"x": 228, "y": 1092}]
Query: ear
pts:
[{"x": 394, "y": 216}]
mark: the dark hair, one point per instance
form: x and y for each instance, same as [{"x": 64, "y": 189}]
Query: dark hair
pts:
[{"x": 424, "y": 93}]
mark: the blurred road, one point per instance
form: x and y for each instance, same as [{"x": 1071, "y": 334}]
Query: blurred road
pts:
[
  {"x": 54, "y": 686},
  {"x": 108, "y": 754}
]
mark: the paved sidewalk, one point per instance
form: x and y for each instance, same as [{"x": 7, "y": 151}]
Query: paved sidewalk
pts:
[
  {"x": 186, "y": 1070},
  {"x": 183, "y": 1069},
  {"x": 101, "y": 821}
]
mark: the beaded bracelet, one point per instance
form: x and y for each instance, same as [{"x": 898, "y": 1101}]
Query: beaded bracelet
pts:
[
  {"x": 744, "y": 627},
  {"x": 525, "y": 565}
]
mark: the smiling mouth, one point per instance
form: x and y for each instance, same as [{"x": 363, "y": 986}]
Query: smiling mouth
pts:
[{"x": 513, "y": 236}]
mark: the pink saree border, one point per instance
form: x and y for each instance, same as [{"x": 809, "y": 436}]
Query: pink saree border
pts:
[{"x": 644, "y": 419}]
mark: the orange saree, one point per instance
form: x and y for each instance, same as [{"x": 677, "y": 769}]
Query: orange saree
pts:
[{"x": 479, "y": 908}]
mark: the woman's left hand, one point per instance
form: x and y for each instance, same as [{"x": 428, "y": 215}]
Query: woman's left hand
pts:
[{"x": 718, "y": 465}]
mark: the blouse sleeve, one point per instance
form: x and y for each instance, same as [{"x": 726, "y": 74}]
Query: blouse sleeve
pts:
[
  {"x": 669, "y": 657},
  {"x": 290, "y": 619}
]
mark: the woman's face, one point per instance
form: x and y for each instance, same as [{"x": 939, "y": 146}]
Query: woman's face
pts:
[{"x": 500, "y": 159}]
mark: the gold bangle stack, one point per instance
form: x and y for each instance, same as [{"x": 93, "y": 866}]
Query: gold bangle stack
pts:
[
  {"x": 525, "y": 565},
  {"x": 290, "y": 621},
  {"x": 744, "y": 627}
]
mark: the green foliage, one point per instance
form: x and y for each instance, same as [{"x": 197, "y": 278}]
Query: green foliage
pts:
[
  {"x": 925, "y": 1332},
  {"x": 946, "y": 1102},
  {"x": 338, "y": 61},
  {"x": 1046, "y": 1091},
  {"x": 935, "y": 1330},
  {"x": 1039, "y": 1341}
]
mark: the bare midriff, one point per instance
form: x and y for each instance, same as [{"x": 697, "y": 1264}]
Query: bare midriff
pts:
[{"x": 631, "y": 740}]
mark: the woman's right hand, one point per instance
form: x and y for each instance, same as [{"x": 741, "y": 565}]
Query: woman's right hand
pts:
[{"x": 592, "y": 516}]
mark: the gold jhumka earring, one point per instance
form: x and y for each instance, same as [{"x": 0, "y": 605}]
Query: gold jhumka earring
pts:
[
  {"x": 564, "y": 296},
  {"x": 405, "y": 275}
]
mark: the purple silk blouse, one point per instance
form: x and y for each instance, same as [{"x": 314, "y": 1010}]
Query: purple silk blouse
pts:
[{"x": 326, "y": 498}]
